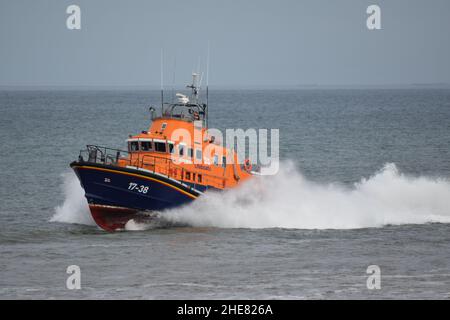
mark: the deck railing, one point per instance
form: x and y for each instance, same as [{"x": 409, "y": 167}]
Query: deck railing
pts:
[{"x": 156, "y": 164}]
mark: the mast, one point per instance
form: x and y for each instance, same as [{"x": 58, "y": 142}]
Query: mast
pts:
[
  {"x": 194, "y": 87},
  {"x": 162, "y": 81},
  {"x": 207, "y": 84},
  {"x": 196, "y": 108},
  {"x": 173, "y": 78}
]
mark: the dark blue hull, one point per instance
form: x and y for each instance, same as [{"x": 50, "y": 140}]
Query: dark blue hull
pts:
[{"x": 115, "y": 193}]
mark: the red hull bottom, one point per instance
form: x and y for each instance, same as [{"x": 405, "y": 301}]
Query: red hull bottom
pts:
[{"x": 111, "y": 218}]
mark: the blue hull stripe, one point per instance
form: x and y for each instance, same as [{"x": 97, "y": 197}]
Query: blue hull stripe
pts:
[{"x": 110, "y": 185}]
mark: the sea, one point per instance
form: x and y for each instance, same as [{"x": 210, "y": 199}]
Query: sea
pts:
[{"x": 359, "y": 208}]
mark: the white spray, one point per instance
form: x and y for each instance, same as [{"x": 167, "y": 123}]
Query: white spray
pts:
[
  {"x": 75, "y": 208},
  {"x": 289, "y": 200}
]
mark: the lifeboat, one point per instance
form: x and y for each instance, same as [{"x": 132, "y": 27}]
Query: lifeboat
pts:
[{"x": 171, "y": 164}]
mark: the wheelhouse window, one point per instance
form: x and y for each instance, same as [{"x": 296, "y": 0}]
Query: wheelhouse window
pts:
[
  {"x": 198, "y": 154},
  {"x": 188, "y": 176},
  {"x": 171, "y": 148},
  {"x": 216, "y": 160},
  {"x": 163, "y": 127},
  {"x": 133, "y": 146},
  {"x": 181, "y": 150},
  {"x": 160, "y": 147},
  {"x": 224, "y": 162},
  {"x": 146, "y": 145},
  {"x": 190, "y": 153},
  {"x": 199, "y": 178}
]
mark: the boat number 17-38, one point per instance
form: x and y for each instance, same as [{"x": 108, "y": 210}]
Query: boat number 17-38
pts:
[{"x": 136, "y": 187}]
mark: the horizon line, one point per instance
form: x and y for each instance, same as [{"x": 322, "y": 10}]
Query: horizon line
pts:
[{"x": 154, "y": 87}]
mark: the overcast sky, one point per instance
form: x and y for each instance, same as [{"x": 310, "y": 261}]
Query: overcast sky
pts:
[{"x": 252, "y": 42}]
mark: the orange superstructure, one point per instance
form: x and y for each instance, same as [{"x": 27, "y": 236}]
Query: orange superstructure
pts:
[{"x": 193, "y": 157}]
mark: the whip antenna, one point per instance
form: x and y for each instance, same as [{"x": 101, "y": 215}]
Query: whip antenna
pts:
[
  {"x": 162, "y": 81},
  {"x": 173, "y": 79},
  {"x": 207, "y": 84}
]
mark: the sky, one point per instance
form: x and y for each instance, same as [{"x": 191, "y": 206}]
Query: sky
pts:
[{"x": 252, "y": 42}]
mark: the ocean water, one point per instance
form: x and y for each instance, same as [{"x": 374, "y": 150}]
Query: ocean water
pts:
[{"x": 364, "y": 180}]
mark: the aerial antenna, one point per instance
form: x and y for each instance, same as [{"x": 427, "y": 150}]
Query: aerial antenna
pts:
[
  {"x": 173, "y": 78},
  {"x": 198, "y": 65},
  {"x": 201, "y": 80},
  {"x": 207, "y": 84},
  {"x": 162, "y": 81}
]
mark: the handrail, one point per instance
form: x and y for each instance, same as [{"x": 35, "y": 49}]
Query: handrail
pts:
[{"x": 156, "y": 164}]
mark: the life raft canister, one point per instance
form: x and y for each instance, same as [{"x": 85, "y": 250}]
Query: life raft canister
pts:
[{"x": 247, "y": 165}]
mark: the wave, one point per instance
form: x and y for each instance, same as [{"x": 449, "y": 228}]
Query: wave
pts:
[{"x": 289, "y": 200}]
